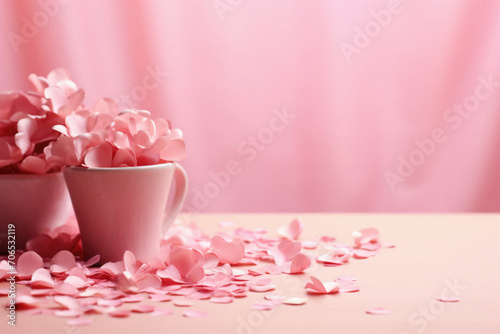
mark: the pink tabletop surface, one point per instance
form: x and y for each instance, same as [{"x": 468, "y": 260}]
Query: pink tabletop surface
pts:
[{"x": 434, "y": 254}]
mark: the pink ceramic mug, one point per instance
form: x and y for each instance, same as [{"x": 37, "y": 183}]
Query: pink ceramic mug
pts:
[
  {"x": 123, "y": 208},
  {"x": 33, "y": 204}
]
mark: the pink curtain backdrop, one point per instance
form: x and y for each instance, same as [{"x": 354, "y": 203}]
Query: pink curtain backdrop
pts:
[{"x": 292, "y": 105}]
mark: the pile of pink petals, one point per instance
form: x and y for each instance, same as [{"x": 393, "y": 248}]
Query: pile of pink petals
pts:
[
  {"x": 190, "y": 266},
  {"x": 44, "y": 130}
]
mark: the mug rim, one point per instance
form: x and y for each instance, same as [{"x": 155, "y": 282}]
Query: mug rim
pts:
[{"x": 117, "y": 169}]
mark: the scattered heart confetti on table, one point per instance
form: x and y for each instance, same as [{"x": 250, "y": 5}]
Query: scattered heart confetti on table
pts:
[{"x": 191, "y": 266}]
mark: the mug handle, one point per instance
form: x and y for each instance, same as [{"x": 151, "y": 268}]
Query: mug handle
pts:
[{"x": 180, "y": 178}]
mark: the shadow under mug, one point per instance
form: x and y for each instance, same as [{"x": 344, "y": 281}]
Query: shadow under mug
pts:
[{"x": 123, "y": 208}]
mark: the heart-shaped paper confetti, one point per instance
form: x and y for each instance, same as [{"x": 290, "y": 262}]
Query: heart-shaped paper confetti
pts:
[
  {"x": 318, "y": 287},
  {"x": 293, "y": 230},
  {"x": 228, "y": 252},
  {"x": 191, "y": 267}
]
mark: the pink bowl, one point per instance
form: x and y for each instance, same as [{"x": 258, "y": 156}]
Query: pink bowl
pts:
[{"x": 34, "y": 204}]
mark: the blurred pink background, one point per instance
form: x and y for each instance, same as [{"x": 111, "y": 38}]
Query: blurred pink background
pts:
[{"x": 292, "y": 105}]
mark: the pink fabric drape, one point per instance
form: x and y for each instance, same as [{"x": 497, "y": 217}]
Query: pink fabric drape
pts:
[{"x": 292, "y": 105}]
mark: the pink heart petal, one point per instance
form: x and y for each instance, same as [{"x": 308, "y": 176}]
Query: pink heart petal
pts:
[
  {"x": 274, "y": 297},
  {"x": 126, "y": 283},
  {"x": 79, "y": 272},
  {"x": 143, "y": 309},
  {"x": 110, "y": 302},
  {"x": 119, "y": 313},
  {"x": 326, "y": 239},
  {"x": 310, "y": 244},
  {"x": 197, "y": 274},
  {"x": 370, "y": 246},
  {"x": 93, "y": 260},
  {"x": 194, "y": 314},
  {"x": 63, "y": 261},
  {"x": 112, "y": 268},
  {"x": 239, "y": 294},
  {"x": 452, "y": 299},
  {"x": 262, "y": 281},
  {"x": 210, "y": 261},
  {"x": 67, "y": 302},
  {"x": 130, "y": 263},
  {"x": 66, "y": 289},
  {"x": 24, "y": 300},
  {"x": 316, "y": 286},
  {"x": 367, "y": 235},
  {"x": 285, "y": 251},
  {"x": 159, "y": 311},
  {"x": 263, "y": 306},
  {"x": 56, "y": 96},
  {"x": 76, "y": 281},
  {"x": 348, "y": 288},
  {"x": 262, "y": 288},
  {"x": 149, "y": 281},
  {"x": 222, "y": 300},
  {"x": 289, "y": 249},
  {"x": 183, "y": 259},
  {"x": 57, "y": 75},
  {"x": 133, "y": 299},
  {"x": 257, "y": 272},
  {"x": 200, "y": 295},
  {"x": 41, "y": 279},
  {"x": 124, "y": 157},
  {"x": 180, "y": 290},
  {"x": 228, "y": 252},
  {"x": 221, "y": 292},
  {"x": 174, "y": 151},
  {"x": 378, "y": 311},
  {"x": 99, "y": 156},
  {"x": 160, "y": 298},
  {"x": 27, "y": 264},
  {"x": 170, "y": 273},
  {"x": 75, "y": 99},
  {"x": 329, "y": 259},
  {"x": 299, "y": 263},
  {"x": 347, "y": 284},
  {"x": 295, "y": 301},
  {"x": 293, "y": 230},
  {"x": 88, "y": 301},
  {"x": 275, "y": 270},
  {"x": 249, "y": 262},
  {"x": 33, "y": 165},
  {"x": 42, "y": 292},
  {"x": 337, "y": 256},
  {"x": 26, "y": 128},
  {"x": 363, "y": 254}
]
